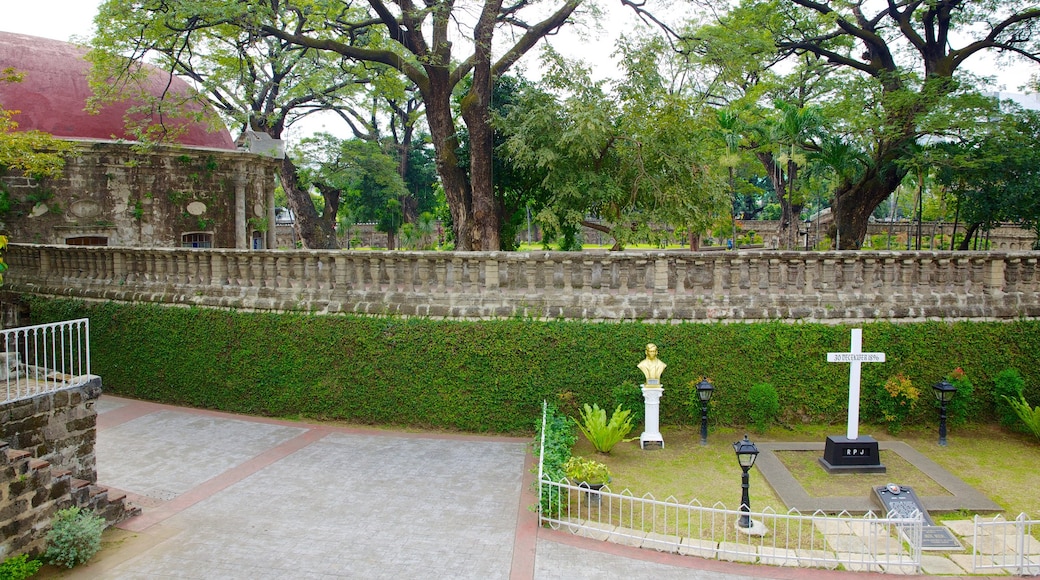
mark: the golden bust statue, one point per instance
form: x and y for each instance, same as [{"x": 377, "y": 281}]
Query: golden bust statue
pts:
[{"x": 652, "y": 366}]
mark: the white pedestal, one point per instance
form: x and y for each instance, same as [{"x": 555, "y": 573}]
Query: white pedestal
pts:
[{"x": 652, "y": 405}]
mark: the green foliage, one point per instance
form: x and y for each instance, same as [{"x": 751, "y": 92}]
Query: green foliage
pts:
[
  {"x": 763, "y": 405},
  {"x": 74, "y": 538},
  {"x": 629, "y": 396},
  {"x": 584, "y": 470},
  {"x": 625, "y": 156},
  {"x": 19, "y": 567},
  {"x": 1028, "y": 415},
  {"x": 559, "y": 438},
  {"x": 492, "y": 375},
  {"x": 894, "y": 404},
  {"x": 964, "y": 404},
  {"x": 602, "y": 434},
  {"x": 1007, "y": 386}
]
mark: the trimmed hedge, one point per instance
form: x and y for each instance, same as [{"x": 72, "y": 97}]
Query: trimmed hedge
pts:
[{"x": 491, "y": 376}]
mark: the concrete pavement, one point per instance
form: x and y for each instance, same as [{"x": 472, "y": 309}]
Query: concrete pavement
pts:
[{"x": 228, "y": 496}]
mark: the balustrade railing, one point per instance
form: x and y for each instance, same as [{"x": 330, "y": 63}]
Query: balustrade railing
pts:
[{"x": 744, "y": 285}]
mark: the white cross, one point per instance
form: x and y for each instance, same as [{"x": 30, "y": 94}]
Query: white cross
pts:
[{"x": 856, "y": 356}]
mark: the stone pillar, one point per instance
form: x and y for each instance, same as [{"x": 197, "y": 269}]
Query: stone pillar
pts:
[
  {"x": 652, "y": 407},
  {"x": 241, "y": 225}
]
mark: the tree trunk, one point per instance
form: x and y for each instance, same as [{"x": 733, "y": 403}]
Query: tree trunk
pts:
[
  {"x": 790, "y": 213},
  {"x": 445, "y": 145},
  {"x": 968, "y": 235},
  {"x": 854, "y": 202},
  {"x": 317, "y": 232}
]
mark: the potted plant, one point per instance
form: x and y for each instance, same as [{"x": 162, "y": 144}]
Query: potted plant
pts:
[{"x": 587, "y": 473}]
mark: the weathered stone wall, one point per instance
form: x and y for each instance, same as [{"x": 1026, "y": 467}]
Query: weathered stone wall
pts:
[
  {"x": 47, "y": 463},
  {"x": 646, "y": 286},
  {"x": 58, "y": 427},
  {"x": 146, "y": 199}
]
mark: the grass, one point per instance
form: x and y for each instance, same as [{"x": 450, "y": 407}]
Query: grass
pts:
[
  {"x": 1000, "y": 464},
  {"x": 805, "y": 467}
]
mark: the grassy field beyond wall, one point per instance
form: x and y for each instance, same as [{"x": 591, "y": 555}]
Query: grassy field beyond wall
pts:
[{"x": 491, "y": 376}]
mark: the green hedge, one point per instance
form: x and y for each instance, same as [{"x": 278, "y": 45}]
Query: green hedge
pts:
[{"x": 491, "y": 376}]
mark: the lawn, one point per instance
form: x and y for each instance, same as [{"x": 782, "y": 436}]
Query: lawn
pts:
[{"x": 1001, "y": 465}]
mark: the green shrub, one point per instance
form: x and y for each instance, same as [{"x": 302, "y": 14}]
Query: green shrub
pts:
[
  {"x": 559, "y": 438},
  {"x": 1028, "y": 415},
  {"x": 895, "y": 402},
  {"x": 1007, "y": 387},
  {"x": 963, "y": 405},
  {"x": 602, "y": 434},
  {"x": 74, "y": 538},
  {"x": 630, "y": 396},
  {"x": 584, "y": 470},
  {"x": 763, "y": 405},
  {"x": 492, "y": 375},
  {"x": 19, "y": 567}
]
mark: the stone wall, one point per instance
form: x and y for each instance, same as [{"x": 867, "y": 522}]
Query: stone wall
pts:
[
  {"x": 112, "y": 194},
  {"x": 47, "y": 463},
  {"x": 646, "y": 286},
  {"x": 58, "y": 427}
]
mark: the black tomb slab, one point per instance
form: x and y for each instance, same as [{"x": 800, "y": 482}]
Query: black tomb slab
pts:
[
  {"x": 844, "y": 455},
  {"x": 901, "y": 501}
]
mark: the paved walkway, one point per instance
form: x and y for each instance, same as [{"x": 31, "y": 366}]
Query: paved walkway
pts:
[{"x": 227, "y": 496}]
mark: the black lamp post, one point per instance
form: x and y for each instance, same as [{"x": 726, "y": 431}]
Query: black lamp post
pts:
[
  {"x": 704, "y": 391},
  {"x": 746, "y": 454},
  {"x": 944, "y": 392}
]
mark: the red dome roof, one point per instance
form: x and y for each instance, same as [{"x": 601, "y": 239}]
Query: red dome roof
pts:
[{"x": 53, "y": 94}]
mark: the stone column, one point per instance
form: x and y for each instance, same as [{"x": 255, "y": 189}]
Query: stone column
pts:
[
  {"x": 652, "y": 406},
  {"x": 241, "y": 225}
]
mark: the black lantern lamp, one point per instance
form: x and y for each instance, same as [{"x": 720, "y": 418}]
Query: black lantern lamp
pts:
[
  {"x": 704, "y": 391},
  {"x": 944, "y": 392},
  {"x": 746, "y": 454}
]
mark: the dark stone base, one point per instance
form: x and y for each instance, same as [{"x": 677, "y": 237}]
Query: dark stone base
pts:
[{"x": 844, "y": 455}]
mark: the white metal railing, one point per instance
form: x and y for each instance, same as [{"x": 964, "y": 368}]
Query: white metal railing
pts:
[
  {"x": 1008, "y": 546},
  {"x": 43, "y": 358},
  {"x": 864, "y": 543}
]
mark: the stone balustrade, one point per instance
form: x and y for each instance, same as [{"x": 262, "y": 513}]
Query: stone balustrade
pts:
[{"x": 656, "y": 286}]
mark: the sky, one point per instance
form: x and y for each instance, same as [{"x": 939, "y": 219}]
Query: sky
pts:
[{"x": 63, "y": 19}]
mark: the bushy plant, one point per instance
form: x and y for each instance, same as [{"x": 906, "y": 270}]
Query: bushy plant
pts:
[
  {"x": 629, "y": 396},
  {"x": 1007, "y": 387},
  {"x": 559, "y": 439},
  {"x": 19, "y": 567},
  {"x": 1029, "y": 415},
  {"x": 74, "y": 538},
  {"x": 584, "y": 470},
  {"x": 603, "y": 434},
  {"x": 963, "y": 405},
  {"x": 896, "y": 402},
  {"x": 763, "y": 405}
]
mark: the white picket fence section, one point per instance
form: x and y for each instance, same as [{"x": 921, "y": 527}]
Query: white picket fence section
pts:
[
  {"x": 1006, "y": 546},
  {"x": 43, "y": 358},
  {"x": 863, "y": 543}
]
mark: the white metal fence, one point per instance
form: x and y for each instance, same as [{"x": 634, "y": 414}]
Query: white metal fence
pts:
[
  {"x": 864, "y": 543},
  {"x": 1007, "y": 546},
  {"x": 43, "y": 358}
]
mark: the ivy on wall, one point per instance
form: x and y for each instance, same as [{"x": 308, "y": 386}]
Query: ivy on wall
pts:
[{"x": 491, "y": 376}]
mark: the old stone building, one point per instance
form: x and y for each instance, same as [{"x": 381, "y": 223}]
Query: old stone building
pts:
[{"x": 202, "y": 191}]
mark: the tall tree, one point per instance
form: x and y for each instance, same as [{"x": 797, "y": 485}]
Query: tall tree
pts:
[
  {"x": 630, "y": 158},
  {"x": 420, "y": 46},
  {"x": 254, "y": 81},
  {"x": 912, "y": 50}
]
